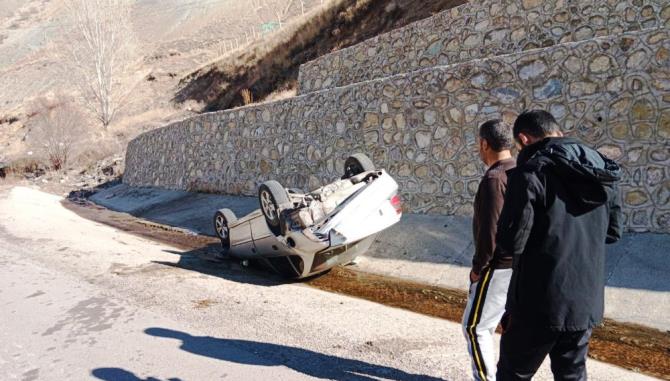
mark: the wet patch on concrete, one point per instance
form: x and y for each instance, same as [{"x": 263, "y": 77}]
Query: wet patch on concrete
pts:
[
  {"x": 204, "y": 303},
  {"x": 162, "y": 233},
  {"x": 36, "y": 294},
  {"x": 31, "y": 375},
  {"x": 630, "y": 346},
  {"x": 433, "y": 301},
  {"x": 146, "y": 269},
  {"x": 87, "y": 317}
]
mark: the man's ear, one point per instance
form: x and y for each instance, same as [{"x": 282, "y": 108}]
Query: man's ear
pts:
[
  {"x": 484, "y": 144},
  {"x": 524, "y": 139}
]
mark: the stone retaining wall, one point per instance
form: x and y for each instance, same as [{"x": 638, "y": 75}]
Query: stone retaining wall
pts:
[
  {"x": 478, "y": 30},
  {"x": 612, "y": 92},
  {"x": 302, "y": 142}
]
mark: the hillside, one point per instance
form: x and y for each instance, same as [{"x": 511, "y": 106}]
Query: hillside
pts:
[
  {"x": 266, "y": 68},
  {"x": 174, "y": 38},
  {"x": 194, "y": 56}
]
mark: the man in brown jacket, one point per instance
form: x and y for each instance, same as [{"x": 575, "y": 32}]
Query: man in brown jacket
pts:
[{"x": 491, "y": 272}]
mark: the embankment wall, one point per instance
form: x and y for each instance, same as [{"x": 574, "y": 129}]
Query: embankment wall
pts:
[
  {"x": 612, "y": 92},
  {"x": 481, "y": 29}
]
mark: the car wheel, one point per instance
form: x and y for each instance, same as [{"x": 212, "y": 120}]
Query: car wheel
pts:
[
  {"x": 357, "y": 164},
  {"x": 222, "y": 221},
  {"x": 271, "y": 195}
]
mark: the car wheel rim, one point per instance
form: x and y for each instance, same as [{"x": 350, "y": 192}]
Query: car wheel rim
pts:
[
  {"x": 221, "y": 227},
  {"x": 268, "y": 205}
]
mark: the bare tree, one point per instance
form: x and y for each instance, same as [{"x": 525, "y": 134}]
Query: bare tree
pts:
[
  {"x": 3, "y": 165},
  {"x": 280, "y": 9},
  {"x": 57, "y": 124},
  {"x": 257, "y": 7},
  {"x": 98, "y": 45}
]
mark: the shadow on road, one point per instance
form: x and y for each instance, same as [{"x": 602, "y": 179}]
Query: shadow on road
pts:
[
  {"x": 304, "y": 361},
  {"x": 118, "y": 374},
  {"x": 208, "y": 260}
]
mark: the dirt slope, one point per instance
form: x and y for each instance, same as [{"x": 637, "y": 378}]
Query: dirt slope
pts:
[
  {"x": 271, "y": 67},
  {"x": 175, "y": 37}
]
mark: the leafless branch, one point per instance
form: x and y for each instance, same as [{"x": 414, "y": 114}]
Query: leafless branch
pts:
[
  {"x": 97, "y": 51},
  {"x": 280, "y": 9},
  {"x": 56, "y": 125}
]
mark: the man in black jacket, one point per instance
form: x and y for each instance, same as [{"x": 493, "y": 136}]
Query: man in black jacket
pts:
[{"x": 561, "y": 207}]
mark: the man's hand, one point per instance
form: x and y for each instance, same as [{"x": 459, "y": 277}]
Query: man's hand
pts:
[{"x": 474, "y": 277}]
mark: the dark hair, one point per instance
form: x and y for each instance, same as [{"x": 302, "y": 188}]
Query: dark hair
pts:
[
  {"x": 497, "y": 134},
  {"x": 536, "y": 123}
]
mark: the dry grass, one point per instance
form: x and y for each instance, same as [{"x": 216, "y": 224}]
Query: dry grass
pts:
[
  {"x": 269, "y": 65},
  {"x": 280, "y": 95},
  {"x": 247, "y": 96},
  {"x": 24, "y": 166},
  {"x": 250, "y": 53},
  {"x": 204, "y": 303}
]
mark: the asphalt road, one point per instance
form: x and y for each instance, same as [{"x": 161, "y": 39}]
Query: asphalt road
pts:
[
  {"x": 83, "y": 301},
  {"x": 56, "y": 327}
]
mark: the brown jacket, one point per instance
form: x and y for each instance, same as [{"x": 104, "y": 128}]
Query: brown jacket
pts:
[{"x": 488, "y": 204}]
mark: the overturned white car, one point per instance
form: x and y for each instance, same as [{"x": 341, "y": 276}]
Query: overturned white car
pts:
[{"x": 303, "y": 234}]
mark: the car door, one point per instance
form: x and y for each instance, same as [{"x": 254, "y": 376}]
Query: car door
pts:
[{"x": 241, "y": 240}]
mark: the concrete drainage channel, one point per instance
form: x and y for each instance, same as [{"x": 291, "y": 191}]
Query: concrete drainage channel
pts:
[{"x": 630, "y": 346}]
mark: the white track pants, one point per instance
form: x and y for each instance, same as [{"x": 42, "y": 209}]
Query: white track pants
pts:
[{"x": 485, "y": 307}]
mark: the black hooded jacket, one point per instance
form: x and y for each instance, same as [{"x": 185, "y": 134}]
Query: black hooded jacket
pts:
[{"x": 561, "y": 207}]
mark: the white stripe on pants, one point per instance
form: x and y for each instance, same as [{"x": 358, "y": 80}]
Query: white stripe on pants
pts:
[{"x": 485, "y": 307}]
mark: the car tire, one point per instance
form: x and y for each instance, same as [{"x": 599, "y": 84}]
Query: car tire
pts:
[
  {"x": 357, "y": 164},
  {"x": 272, "y": 195},
  {"x": 222, "y": 221}
]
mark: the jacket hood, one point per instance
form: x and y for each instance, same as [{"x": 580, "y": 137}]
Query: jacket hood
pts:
[{"x": 588, "y": 176}]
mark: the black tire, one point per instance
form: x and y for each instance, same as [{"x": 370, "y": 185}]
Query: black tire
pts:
[
  {"x": 272, "y": 195},
  {"x": 222, "y": 221},
  {"x": 357, "y": 164}
]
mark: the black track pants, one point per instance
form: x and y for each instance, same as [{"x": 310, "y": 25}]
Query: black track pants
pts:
[{"x": 523, "y": 347}]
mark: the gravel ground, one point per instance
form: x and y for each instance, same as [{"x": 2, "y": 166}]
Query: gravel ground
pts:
[{"x": 315, "y": 333}]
